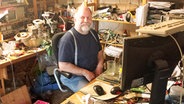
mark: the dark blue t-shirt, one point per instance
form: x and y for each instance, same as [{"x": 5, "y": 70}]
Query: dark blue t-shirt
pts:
[{"x": 88, "y": 49}]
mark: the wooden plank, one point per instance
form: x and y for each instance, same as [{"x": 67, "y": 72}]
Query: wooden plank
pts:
[
  {"x": 2, "y": 89},
  {"x": 3, "y": 73},
  {"x": 28, "y": 55}
]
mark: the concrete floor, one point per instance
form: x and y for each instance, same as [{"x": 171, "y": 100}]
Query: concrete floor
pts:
[
  {"x": 58, "y": 96},
  {"x": 53, "y": 97}
]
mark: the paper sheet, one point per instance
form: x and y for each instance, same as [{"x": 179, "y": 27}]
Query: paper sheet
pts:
[
  {"x": 141, "y": 15},
  {"x": 3, "y": 13}
]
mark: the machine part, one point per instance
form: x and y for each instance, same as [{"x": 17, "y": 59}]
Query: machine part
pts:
[{"x": 28, "y": 39}]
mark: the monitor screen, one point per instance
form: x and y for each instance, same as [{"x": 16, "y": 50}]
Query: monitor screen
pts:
[{"x": 145, "y": 57}]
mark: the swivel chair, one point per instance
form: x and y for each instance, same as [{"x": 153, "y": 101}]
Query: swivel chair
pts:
[{"x": 55, "y": 40}]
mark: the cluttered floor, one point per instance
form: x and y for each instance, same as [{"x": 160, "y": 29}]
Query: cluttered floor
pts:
[
  {"x": 24, "y": 94},
  {"x": 56, "y": 96},
  {"x": 38, "y": 87}
]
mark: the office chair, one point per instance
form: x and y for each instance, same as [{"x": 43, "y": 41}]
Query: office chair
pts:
[{"x": 55, "y": 40}]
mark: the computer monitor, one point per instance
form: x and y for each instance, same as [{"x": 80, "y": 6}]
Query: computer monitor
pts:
[{"x": 150, "y": 59}]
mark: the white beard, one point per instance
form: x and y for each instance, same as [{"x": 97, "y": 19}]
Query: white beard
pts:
[{"x": 85, "y": 28}]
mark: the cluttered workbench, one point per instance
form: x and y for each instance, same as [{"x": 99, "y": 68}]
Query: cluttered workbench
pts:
[
  {"x": 18, "y": 56},
  {"x": 112, "y": 93},
  {"x": 26, "y": 44}
]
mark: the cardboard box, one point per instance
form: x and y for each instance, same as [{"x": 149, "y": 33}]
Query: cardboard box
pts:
[{"x": 18, "y": 96}]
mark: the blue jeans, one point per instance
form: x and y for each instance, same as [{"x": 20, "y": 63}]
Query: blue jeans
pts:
[{"x": 75, "y": 83}]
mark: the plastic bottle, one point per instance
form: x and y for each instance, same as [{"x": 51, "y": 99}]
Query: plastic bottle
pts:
[{"x": 125, "y": 34}]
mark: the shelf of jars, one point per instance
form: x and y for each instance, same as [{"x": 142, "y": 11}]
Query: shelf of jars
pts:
[
  {"x": 115, "y": 21},
  {"x": 12, "y": 5},
  {"x": 14, "y": 22}
]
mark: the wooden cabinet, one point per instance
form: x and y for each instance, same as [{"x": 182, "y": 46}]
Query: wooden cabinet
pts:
[
  {"x": 42, "y": 5},
  {"x": 14, "y": 20},
  {"x": 122, "y": 25}
]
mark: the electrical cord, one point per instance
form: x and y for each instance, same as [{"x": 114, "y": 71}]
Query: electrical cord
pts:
[
  {"x": 13, "y": 74},
  {"x": 179, "y": 63},
  {"x": 177, "y": 46},
  {"x": 41, "y": 74}
]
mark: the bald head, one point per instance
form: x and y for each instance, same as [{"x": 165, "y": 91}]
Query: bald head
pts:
[
  {"x": 83, "y": 19},
  {"x": 81, "y": 9}
]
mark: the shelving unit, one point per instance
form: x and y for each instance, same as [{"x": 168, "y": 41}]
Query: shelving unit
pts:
[
  {"x": 114, "y": 21},
  {"x": 12, "y": 5},
  {"x": 96, "y": 23},
  {"x": 42, "y": 5},
  {"x": 14, "y": 8},
  {"x": 14, "y": 21}
]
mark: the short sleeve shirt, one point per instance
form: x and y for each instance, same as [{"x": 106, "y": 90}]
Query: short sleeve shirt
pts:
[{"x": 88, "y": 49}]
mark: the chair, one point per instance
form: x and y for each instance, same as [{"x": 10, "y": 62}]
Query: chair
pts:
[{"x": 55, "y": 39}]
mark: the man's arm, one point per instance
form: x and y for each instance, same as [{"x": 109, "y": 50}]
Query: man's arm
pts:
[
  {"x": 71, "y": 68},
  {"x": 99, "y": 68}
]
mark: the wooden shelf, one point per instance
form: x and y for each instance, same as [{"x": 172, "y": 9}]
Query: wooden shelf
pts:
[
  {"x": 13, "y": 22},
  {"x": 109, "y": 43},
  {"x": 44, "y": 3},
  {"x": 91, "y": 4},
  {"x": 122, "y": 22},
  {"x": 12, "y": 5}
]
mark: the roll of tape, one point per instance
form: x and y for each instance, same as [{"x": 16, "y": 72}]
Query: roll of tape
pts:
[
  {"x": 22, "y": 35},
  {"x": 31, "y": 28},
  {"x": 38, "y": 22},
  {"x": 29, "y": 25}
]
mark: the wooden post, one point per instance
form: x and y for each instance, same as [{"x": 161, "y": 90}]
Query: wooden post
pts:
[
  {"x": 44, "y": 5},
  {"x": 35, "y": 8},
  {"x": 3, "y": 75}
]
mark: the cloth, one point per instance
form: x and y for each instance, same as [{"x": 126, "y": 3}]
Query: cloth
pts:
[
  {"x": 88, "y": 49},
  {"x": 75, "y": 83}
]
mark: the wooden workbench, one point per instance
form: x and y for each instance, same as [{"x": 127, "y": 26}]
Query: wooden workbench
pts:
[
  {"x": 76, "y": 98},
  {"x": 11, "y": 60}
]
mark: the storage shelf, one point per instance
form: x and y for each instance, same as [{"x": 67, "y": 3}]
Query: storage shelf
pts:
[
  {"x": 13, "y": 22},
  {"x": 122, "y": 22},
  {"x": 12, "y": 5},
  {"x": 109, "y": 43}
]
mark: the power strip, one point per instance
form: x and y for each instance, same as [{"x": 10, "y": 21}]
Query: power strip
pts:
[{"x": 163, "y": 29}]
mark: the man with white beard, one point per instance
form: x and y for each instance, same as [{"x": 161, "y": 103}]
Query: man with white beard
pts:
[{"x": 80, "y": 52}]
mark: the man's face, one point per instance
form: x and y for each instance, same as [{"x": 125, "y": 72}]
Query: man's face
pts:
[{"x": 83, "y": 20}]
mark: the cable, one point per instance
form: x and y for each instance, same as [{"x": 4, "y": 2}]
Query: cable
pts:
[
  {"x": 13, "y": 74},
  {"x": 41, "y": 74},
  {"x": 177, "y": 46},
  {"x": 182, "y": 60}
]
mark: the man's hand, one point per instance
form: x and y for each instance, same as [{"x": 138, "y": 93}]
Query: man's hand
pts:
[
  {"x": 89, "y": 75},
  {"x": 98, "y": 71}
]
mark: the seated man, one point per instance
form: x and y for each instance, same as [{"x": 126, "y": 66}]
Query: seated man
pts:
[{"x": 80, "y": 51}]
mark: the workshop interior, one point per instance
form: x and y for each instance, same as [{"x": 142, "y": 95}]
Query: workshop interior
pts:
[{"x": 142, "y": 43}]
